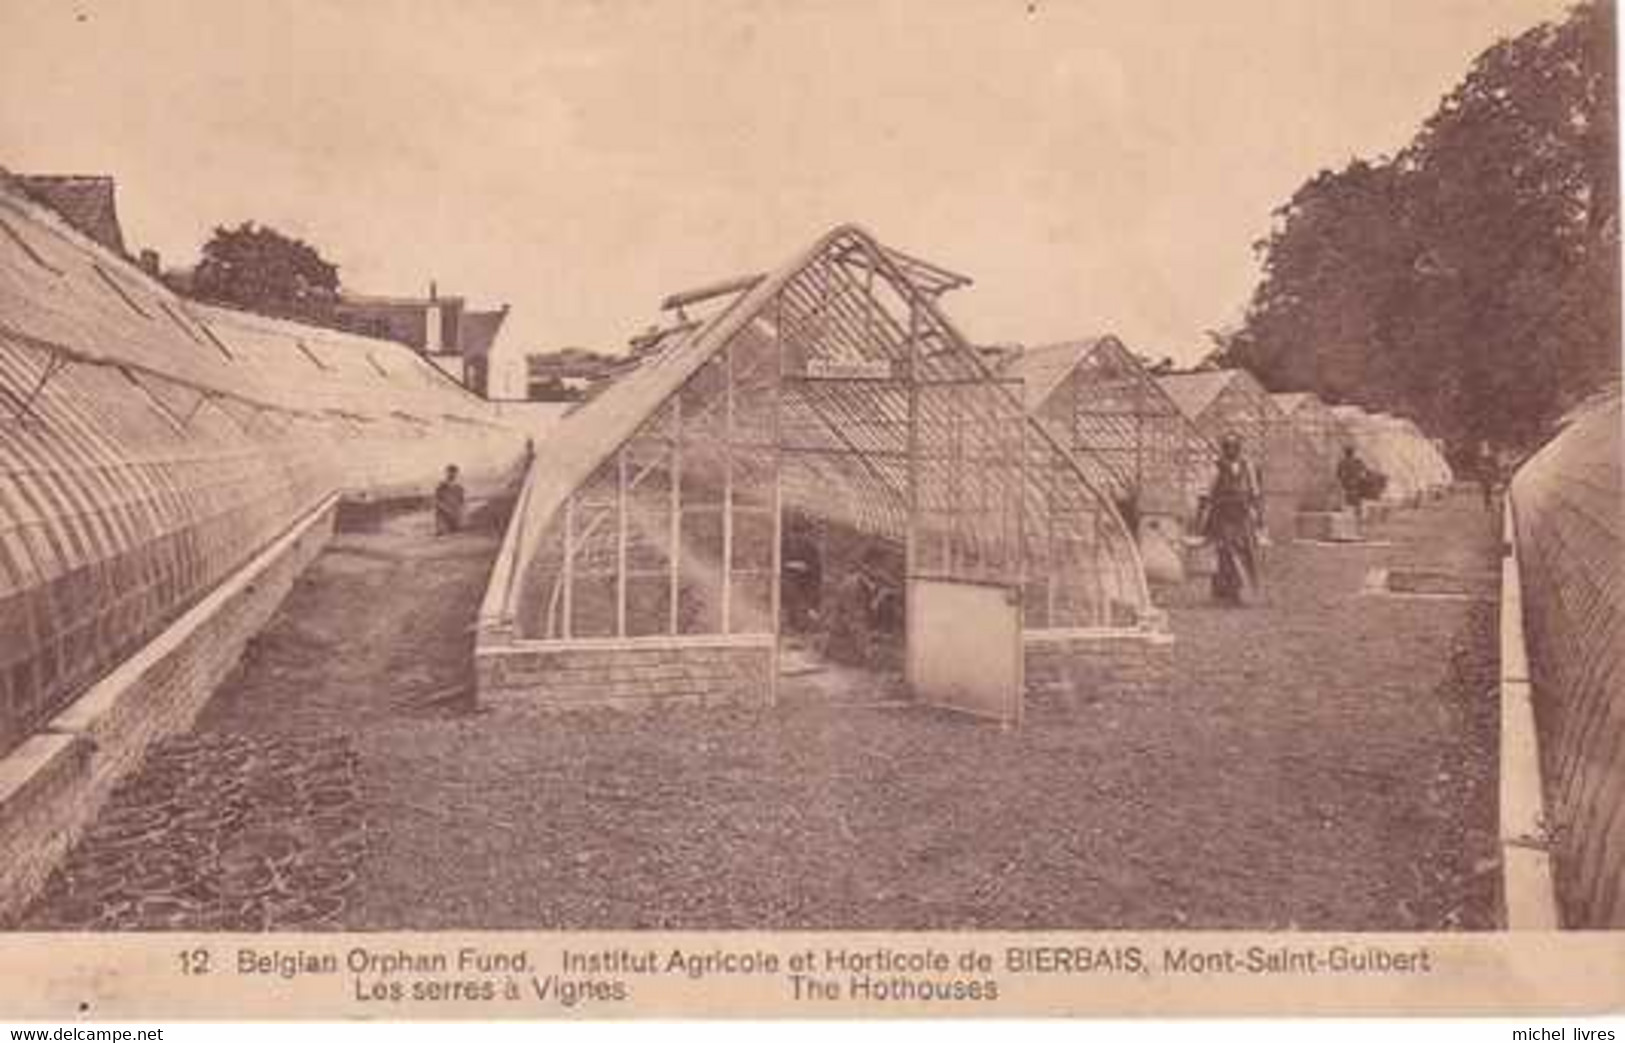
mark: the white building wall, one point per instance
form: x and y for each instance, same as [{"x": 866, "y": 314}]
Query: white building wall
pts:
[{"x": 506, "y": 377}]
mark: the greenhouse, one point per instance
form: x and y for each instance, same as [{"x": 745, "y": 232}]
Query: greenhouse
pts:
[
  {"x": 1412, "y": 463},
  {"x": 1105, "y": 407},
  {"x": 152, "y": 445},
  {"x": 1564, "y": 506},
  {"x": 1311, "y": 417},
  {"x": 1435, "y": 469},
  {"x": 1232, "y": 402},
  {"x": 823, "y": 426}
]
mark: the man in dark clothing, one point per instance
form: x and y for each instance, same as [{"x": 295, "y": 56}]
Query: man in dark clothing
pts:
[
  {"x": 448, "y": 503},
  {"x": 1233, "y": 503},
  {"x": 1352, "y": 476}
]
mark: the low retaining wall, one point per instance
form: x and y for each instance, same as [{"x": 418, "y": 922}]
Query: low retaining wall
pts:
[
  {"x": 52, "y": 785},
  {"x": 621, "y": 673},
  {"x": 1529, "y": 898},
  {"x": 636, "y": 673},
  {"x": 1087, "y": 666},
  {"x": 1341, "y": 526}
]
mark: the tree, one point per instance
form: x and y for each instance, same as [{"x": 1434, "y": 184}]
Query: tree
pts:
[
  {"x": 257, "y": 268},
  {"x": 1471, "y": 281},
  {"x": 1333, "y": 268}
]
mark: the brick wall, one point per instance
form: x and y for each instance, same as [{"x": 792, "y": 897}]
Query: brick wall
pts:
[
  {"x": 1084, "y": 669},
  {"x": 625, "y": 676},
  {"x": 52, "y": 785}
]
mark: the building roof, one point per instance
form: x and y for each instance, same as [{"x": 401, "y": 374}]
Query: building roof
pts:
[
  {"x": 1194, "y": 392},
  {"x": 1043, "y": 368},
  {"x": 85, "y": 201},
  {"x": 386, "y": 300},
  {"x": 478, "y": 331},
  {"x": 1290, "y": 401}
]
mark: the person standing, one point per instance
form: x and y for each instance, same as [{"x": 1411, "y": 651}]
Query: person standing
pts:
[
  {"x": 448, "y": 503},
  {"x": 1232, "y": 523},
  {"x": 1489, "y": 473},
  {"x": 1352, "y": 477}
]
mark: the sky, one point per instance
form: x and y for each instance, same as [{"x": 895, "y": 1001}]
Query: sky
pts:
[{"x": 1095, "y": 166}]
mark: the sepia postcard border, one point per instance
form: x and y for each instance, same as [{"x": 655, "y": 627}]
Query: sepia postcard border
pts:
[{"x": 527, "y": 975}]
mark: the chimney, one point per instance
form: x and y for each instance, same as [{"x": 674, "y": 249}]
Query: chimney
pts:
[
  {"x": 150, "y": 262},
  {"x": 433, "y": 291}
]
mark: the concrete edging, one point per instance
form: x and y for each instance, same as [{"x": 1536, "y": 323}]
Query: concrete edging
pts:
[
  {"x": 52, "y": 785},
  {"x": 1529, "y": 898}
]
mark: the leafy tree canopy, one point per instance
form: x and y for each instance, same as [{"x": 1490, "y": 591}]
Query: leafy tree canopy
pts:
[
  {"x": 1472, "y": 280},
  {"x": 257, "y": 268}
]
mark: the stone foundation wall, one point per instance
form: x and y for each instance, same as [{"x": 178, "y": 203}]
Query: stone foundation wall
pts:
[
  {"x": 52, "y": 785},
  {"x": 1093, "y": 668},
  {"x": 625, "y": 676},
  {"x": 1328, "y": 526}
]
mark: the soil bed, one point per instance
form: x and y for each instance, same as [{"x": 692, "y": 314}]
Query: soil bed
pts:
[{"x": 1321, "y": 761}]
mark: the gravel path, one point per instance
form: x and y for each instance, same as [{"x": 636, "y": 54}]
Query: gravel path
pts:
[{"x": 1325, "y": 760}]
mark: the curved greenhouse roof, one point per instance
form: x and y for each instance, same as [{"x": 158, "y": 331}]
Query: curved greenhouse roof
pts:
[
  {"x": 149, "y": 445},
  {"x": 1411, "y": 461},
  {"x": 1566, "y": 505}
]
